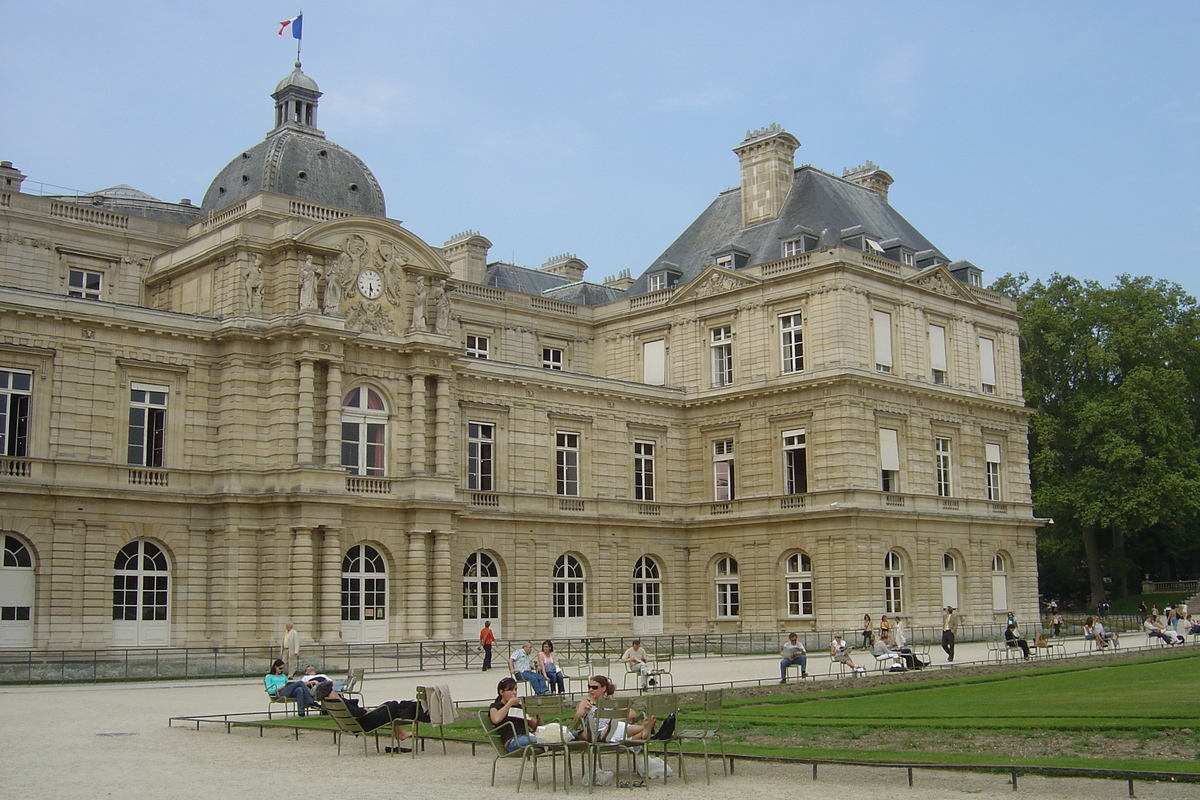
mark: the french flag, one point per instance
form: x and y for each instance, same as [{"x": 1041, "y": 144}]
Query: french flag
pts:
[{"x": 297, "y": 26}]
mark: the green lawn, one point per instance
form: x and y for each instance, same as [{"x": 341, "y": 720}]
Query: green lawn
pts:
[{"x": 1142, "y": 699}]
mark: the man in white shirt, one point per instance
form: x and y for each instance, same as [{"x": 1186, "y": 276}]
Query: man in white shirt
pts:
[
  {"x": 636, "y": 655},
  {"x": 792, "y": 653}
]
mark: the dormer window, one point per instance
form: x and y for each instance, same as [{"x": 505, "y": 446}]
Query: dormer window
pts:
[
  {"x": 656, "y": 281},
  {"x": 731, "y": 257},
  {"x": 907, "y": 258},
  {"x": 725, "y": 262},
  {"x": 870, "y": 245},
  {"x": 801, "y": 244}
]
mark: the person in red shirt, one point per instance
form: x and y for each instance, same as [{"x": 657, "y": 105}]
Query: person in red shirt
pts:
[{"x": 486, "y": 637}]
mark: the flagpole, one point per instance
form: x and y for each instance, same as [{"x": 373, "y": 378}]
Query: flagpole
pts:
[{"x": 299, "y": 40}]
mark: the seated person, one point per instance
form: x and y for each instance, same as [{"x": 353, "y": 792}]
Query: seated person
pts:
[
  {"x": 1089, "y": 629},
  {"x": 884, "y": 653},
  {"x": 839, "y": 651},
  {"x": 515, "y": 729},
  {"x": 548, "y": 664},
  {"x": 1155, "y": 628},
  {"x": 312, "y": 677},
  {"x": 278, "y": 685},
  {"x": 636, "y": 655},
  {"x": 608, "y": 730},
  {"x": 524, "y": 666},
  {"x": 910, "y": 659},
  {"x": 1013, "y": 640},
  {"x": 1103, "y": 637},
  {"x": 393, "y": 711},
  {"x": 793, "y": 653},
  {"x": 1190, "y": 626}
]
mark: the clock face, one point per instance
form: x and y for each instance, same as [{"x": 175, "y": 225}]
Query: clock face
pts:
[{"x": 370, "y": 283}]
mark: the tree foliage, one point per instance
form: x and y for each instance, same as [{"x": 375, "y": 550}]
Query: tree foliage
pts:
[{"x": 1113, "y": 374}]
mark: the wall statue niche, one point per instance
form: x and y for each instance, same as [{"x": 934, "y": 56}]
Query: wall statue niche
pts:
[
  {"x": 420, "y": 307},
  {"x": 252, "y": 285},
  {"x": 310, "y": 273},
  {"x": 441, "y": 305}
]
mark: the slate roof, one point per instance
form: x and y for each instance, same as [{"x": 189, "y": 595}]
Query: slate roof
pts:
[
  {"x": 818, "y": 203},
  {"x": 125, "y": 199},
  {"x": 534, "y": 281}
]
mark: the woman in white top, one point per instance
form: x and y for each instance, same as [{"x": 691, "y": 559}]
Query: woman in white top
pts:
[
  {"x": 839, "y": 650},
  {"x": 548, "y": 661}
]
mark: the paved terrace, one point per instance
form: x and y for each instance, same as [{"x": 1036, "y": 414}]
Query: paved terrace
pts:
[{"x": 86, "y": 741}]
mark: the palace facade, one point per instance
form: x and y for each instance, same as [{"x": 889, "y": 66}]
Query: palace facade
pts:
[{"x": 283, "y": 405}]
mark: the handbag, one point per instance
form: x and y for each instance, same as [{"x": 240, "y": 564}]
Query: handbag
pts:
[
  {"x": 666, "y": 730},
  {"x": 550, "y": 733}
]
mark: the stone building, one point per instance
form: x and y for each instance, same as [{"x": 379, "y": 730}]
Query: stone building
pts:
[{"x": 281, "y": 404}]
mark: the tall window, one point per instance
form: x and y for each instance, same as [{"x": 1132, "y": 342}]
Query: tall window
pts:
[
  {"x": 480, "y": 588},
  {"x": 798, "y": 578},
  {"x": 643, "y": 471},
  {"x": 477, "y": 346},
  {"x": 882, "y": 323},
  {"x": 729, "y": 601},
  {"x": 721, "y": 347},
  {"x": 647, "y": 588},
  {"x": 567, "y": 601},
  {"x": 791, "y": 333},
  {"x": 364, "y": 584},
  {"x": 654, "y": 362},
  {"x": 893, "y": 583},
  {"x": 992, "y": 471},
  {"x": 84, "y": 283},
  {"x": 941, "y": 447},
  {"x": 949, "y": 580},
  {"x": 999, "y": 583},
  {"x": 566, "y": 456},
  {"x": 723, "y": 469},
  {"x": 795, "y": 462},
  {"x": 147, "y": 424},
  {"x": 552, "y": 358},
  {"x": 889, "y": 459},
  {"x": 656, "y": 281},
  {"x": 364, "y": 432},
  {"x": 480, "y": 455},
  {"x": 140, "y": 583},
  {"x": 987, "y": 365},
  {"x": 16, "y": 387},
  {"x": 937, "y": 353}
]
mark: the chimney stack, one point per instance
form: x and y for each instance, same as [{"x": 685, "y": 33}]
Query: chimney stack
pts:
[
  {"x": 870, "y": 176},
  {"x": 767, "y": 164},
  {"x": 466, "y": 254}
]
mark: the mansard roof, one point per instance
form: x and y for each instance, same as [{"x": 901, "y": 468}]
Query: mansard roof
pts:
[{"x": 819, "y": 205}]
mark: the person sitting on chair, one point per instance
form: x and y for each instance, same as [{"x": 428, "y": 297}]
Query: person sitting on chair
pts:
[
  {"x": 548, "y": 661},
  {"x": 884, "y": 653},
  {"x": 278, "y": 685},
  {"x": 523, "y": 665},
  {"x": 1011, "y": 639},
  {"x": 793, "y": 654},
  {"x": 636, "y": 655},
  {"x": 608, "y": 730},
  {"x": 515, "y": 729},
  {"x": 393, "y": 711},
  {"x": 839, "y": 651}
]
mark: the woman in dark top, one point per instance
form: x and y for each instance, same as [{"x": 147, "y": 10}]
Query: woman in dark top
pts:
[
  {"x": 513, "y": 727},
  {"x": 393, "y": 711},
  {"x": 1012, "y": 640}
]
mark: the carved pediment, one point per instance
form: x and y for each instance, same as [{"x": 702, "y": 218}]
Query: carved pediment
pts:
[
  {"x": 937, "y": 279},
  {"x": 713, "y": 281}
]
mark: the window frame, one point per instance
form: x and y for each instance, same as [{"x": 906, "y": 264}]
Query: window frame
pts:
[
  {"x": 795, "y": 475},
  {"x": 647, "y": 588},
  {"x": 152, "y": 427},
  {"x": 893, "y": 583},
  {"x": 724, "y": 488},
  {"x": 81, "y": 289},
  {"x": 481, "y": 456},
  {"x": 727, "y": 588},
  {"x": 567, "y": 447},
  {"x": 798, "y": 585},
  {"x": 943, "y": 448},
  {"x": 992, "y": 455},
  {"x": 478, "y": 346},
  {"x": 552, "y": 358},
  {"x": 16, "y": 398},
  {"x": 791, "y": 342},
  {"x": 721, "y": 355},
  {"x": 644, "y": 457},
  {"x": 370, "y": 426}
]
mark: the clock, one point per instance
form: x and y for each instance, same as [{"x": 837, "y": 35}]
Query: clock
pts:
[{"x": 370, "y": 283}]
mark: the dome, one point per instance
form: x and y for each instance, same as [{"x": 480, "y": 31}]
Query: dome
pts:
[{"x": 297, "y": 160}]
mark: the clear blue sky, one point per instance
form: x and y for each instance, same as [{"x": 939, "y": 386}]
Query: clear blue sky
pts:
[{"x": 1023, "y": 136}]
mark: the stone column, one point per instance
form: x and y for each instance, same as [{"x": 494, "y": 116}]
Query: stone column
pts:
[
  {"x": 301, "y": 580},
  {"x": 442, "y": 443},
  {"x": 333, "y": 415},
  {"x": 304, "y": 413},
  {"x": 329, "y": 591},
  {"x": 443, "y": 588},
  {"x": 416, "y": 576},
  {"x": 60, "y": 615},
  {"x": 416, "y": 437}
]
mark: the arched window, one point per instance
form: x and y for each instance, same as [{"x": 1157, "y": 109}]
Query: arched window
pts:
[
  {"x": 999, "y": 583},
  {"x": 364, "y": 595},
  {"x": 647, "y": 597},
  {"x": 568, "y": 597},
  {"x": 729, "y": 601},
  {"x": 797, "y": 576},
  {"x": 141, "y": 596},
  {"x": 364, "y": 432},
  {"x": 893, "y": 583},
  {"x": 949, "y": 580},
  {"x": 480, "y": 593},
  {"x": 16, "y": 594}
]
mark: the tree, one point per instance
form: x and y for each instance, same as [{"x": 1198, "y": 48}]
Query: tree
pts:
[{"x": 1113, "y": 375}]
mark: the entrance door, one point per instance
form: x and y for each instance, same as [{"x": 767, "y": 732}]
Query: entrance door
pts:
[
  {"x": 570, "y": 619},
  {"x": 364, "y": 596},
  {"x": 141, "y": 596},
  {"x": 480, "y": 595},
  {"x": 647, "y": 598},
  {"x": 16, "y": 594}
]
